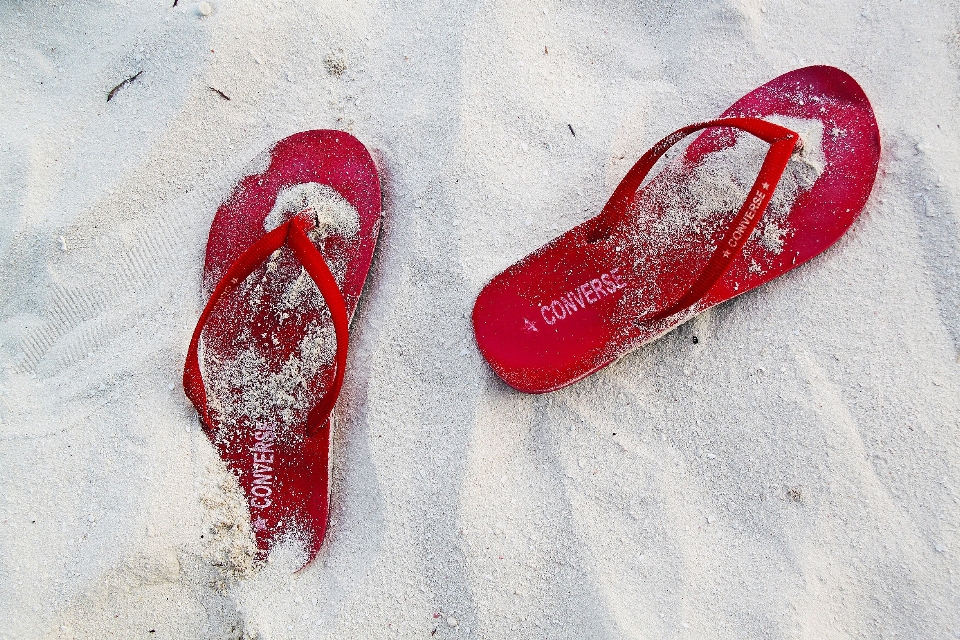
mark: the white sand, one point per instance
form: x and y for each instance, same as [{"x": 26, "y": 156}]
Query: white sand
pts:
[{"x": 794, "y": 474}]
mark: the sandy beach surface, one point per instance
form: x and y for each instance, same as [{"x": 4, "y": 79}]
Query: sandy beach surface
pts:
[{"x": 794, "y": 472}]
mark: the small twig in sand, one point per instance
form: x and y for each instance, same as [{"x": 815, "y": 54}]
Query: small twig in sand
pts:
[
  {"x": 220, "y": 93},
  {"x": 572, "y": 131},
  {"x": 123, "y": 84}
]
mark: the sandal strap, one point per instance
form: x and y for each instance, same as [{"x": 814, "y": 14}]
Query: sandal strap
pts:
[
  {"x": 782, "y": 143},
  {"x": 293, "y": 234}
]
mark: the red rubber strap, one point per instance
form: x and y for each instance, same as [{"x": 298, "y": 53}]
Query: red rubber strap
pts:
[
  {"x": 292, "y": 233},
  {"x": 312, "y": 260},
  {"x": 782, "y": 142}
]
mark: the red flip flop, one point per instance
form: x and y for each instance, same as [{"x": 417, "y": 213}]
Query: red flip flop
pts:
[
  {"x": 660, "y": 254},
  {"x": 287, "y": 257}
]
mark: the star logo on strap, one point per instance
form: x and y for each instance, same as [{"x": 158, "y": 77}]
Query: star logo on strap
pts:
[
  {"x": 259, "y": 524},
  {"x": 765, "y": 185},
  {"x": 529, "y": 326},
  {"x": 726, "y": 253}
]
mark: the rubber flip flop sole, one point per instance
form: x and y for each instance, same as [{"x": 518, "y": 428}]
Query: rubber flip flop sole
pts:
[
  {"x": 267, "y": 347},
  {"x": 571, "y": 307}
]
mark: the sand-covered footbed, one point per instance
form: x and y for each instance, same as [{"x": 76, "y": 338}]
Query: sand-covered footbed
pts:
[{"x": 786, "y": 465}]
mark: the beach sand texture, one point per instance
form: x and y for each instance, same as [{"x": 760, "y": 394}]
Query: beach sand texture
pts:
[{"x": 794, "y": 472}]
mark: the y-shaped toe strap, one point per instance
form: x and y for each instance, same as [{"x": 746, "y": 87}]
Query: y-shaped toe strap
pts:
[
  {"x": 293, "y": 234},
  {"x": 782, "y": 142}
]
